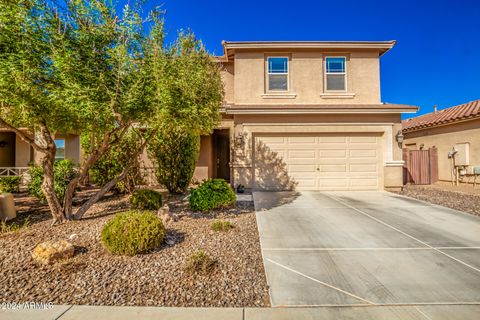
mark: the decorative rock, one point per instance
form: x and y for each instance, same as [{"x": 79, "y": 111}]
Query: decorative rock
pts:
[
  {"x": 165, "y": 214},
  {"x": 51, "y": 251}
]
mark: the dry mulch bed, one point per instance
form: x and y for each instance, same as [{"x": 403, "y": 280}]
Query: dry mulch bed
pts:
[
  {"x": 446, "y": 196},
  {"x": 96, "y": 277}
]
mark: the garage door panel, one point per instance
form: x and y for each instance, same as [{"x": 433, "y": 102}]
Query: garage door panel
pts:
[
  {"x": 363, "y": 153},
  {"x": 333, "y": 168},
  {"x": 273, "y": 140},
  {"x": 301, "y": 154},
  {"x": 332, "y": 139},
  {"x": 325, "y": 162},
  {"x": 362, "y": 139},
  {"x": 363, "y": 168},
  {"x": 363, "y": 182},
  {"x": 333, "y": 183},
  {"x": 335, "y": 154},
  {"x": 302, "y": 139},
  {"x": 300, "y": 168},
  {"x": 277, "y": 153},
  {"x": 306, "y": 184}
]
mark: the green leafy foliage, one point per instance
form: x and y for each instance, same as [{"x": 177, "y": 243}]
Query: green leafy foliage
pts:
[
  {"x": 222, "y": 225},
  {"x": 174, "y": 152},
  {"x": 112, "y": 163},
  {"x": 10, "y": 184},
  {"x": 13, "y": 226},
  {"x": 133, "y": 232},
  {"x": 146, "y": 199},
  {"x": 64, "y": 171},
  {"x": 187, "y": 86},
  {"x": 212, "y": 194},
  {"x": 82, "y": 66},
  {"x": 200, "y": 262}
]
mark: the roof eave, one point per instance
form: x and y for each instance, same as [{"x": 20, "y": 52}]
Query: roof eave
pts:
[
  {"x": 382, "y": 46},
  {"x": 295, "y": 109}
]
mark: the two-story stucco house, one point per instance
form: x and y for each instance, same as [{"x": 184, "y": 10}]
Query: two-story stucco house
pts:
[{"x": 305, "y": 116}]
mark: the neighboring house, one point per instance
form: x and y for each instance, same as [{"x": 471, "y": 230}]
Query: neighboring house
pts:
[
  {"x": 305, "y": 116},
  {"x": 16, "y": 154},
  {"x": 456, "y": 127}
]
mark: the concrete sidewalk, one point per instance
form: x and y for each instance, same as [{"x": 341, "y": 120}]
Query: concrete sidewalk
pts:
[{"x": 358, "y": 313}]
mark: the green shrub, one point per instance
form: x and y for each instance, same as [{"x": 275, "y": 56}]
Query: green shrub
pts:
[
  {"x": 222, "y": 225},
  {"x": 200, "y": 262},
  {"x": 64, "y": 171},
  {"x": 146, "y": 199},
  {"x": 14, "y": 227},
  {"x": 212, "y": 194},
  {"x": 133, "y": 232},
  {"x": 10, "y": 184},
  {"x": 174, "y": 151},
  {"x": 112, "y": 163}
]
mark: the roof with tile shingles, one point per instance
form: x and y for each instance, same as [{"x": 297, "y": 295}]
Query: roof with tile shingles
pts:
[{"x": 461, "y": 112}]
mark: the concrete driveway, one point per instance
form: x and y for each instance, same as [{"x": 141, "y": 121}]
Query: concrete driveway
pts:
[{"x": 366, "y": 249}]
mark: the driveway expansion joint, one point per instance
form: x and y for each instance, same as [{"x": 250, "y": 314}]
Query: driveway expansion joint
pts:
[
  {"x": 404, "y": 233},
  {"x": 321, "y": 282}
]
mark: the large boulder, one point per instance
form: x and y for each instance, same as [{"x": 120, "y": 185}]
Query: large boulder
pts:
[{"x": 49, "y": 252}]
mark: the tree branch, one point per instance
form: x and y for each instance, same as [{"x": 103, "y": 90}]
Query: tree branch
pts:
[{"x": 87, "y": 205}]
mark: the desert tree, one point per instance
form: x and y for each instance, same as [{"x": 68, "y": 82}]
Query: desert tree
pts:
[
  {"x": 189, "y": 88},
  {"x": 83, "y": 68}
]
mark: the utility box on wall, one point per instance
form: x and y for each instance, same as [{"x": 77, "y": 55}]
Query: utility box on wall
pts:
[{"x": 462, "y": 157}]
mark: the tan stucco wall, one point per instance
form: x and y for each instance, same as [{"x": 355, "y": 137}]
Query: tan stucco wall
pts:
[
  {"x": 204, "y": 167},
  {"x": 228, "y": 75},
  {"x": 444, "y": 138},
  {"x": 23, "y": 153},
  {"x": 306, "y": 78},
  {"x": 73, "y": 149}
]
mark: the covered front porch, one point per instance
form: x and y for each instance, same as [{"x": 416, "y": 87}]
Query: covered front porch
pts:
[
  {"x": 16, "y": 155},
  {"x": 214, "y": 157}
]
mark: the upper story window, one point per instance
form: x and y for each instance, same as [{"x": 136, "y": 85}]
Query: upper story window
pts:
[
  {"x": 277, "y": 74},
  {"x": 60, "y": 144},
  {"x": 335, "y": 74}
]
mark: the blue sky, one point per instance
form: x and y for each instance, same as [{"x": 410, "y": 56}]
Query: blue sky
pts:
[{"x": 435, "y": 60}]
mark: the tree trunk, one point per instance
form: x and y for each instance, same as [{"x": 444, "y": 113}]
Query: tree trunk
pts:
[
  {"x": 109, "y": 185},
  {"x": 95, "y": 154},
  {"x": 87, "y": 205},
  {"x": 69, "y": 192},
  {"x": 44, "y": 139}
]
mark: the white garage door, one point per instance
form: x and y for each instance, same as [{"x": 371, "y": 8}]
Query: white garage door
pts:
[{"x": 318, "y": 162}]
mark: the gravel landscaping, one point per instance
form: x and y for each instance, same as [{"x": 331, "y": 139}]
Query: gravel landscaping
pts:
[
  {"x": 462, "y": 198},
  {"x": 96, "y": 277}
]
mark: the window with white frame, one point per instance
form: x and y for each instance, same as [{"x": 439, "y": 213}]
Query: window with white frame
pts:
[
  {"x": 277, "y": 74},
  {"x": 335, "y": 74}
]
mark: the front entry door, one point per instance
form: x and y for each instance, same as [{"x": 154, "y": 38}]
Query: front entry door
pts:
[{"x": 221, "y": 140}]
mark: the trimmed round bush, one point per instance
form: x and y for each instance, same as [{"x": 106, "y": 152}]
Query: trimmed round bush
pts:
[
  {"x": 212, "y": 194},
  {"x": 133, "y": 232},
  {"x": 146, "y": 199}
]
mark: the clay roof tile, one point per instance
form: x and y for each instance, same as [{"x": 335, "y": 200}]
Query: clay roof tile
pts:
[{"x": 456, "y": 113}]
